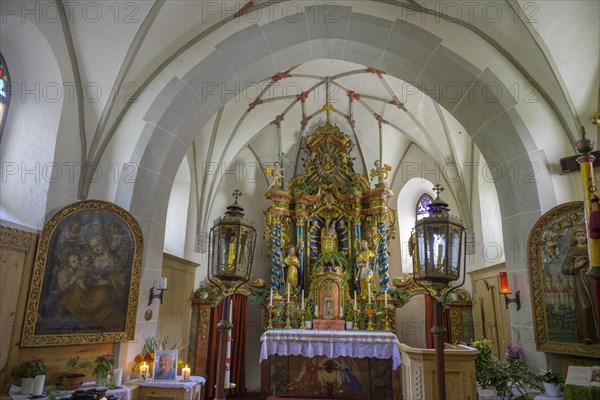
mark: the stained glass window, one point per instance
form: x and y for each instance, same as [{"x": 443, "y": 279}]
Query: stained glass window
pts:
[
  {"x": 4, "y": 93},
  {"x": 423, "y": 206}
]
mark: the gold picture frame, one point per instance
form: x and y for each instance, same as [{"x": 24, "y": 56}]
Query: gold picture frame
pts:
[
  {"x": 86, "y": 277},
  {"x": 556, "y": 284}
]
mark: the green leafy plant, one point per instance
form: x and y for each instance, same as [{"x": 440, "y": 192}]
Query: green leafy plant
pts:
[
  {"x": 549, "y": 376},
  {"x": 259, "y": 296},
  {"x": 349, "y": 314},
  {"x": 206, "y": 293},
  {"x": 308, "y": 313},
  {"x": 510, "y": 379},
  {"x": 103, "y": 369},
  {"x": 75, "y": 366},
  {"x": 30, "y": 369},
  {"x": 399, "y": 295}
]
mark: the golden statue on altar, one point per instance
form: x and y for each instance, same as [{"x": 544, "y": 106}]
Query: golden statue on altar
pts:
[{"x": 322, "y": 218}]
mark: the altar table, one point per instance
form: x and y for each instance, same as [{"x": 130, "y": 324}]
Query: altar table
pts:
[{"x": 331, "y": 364}]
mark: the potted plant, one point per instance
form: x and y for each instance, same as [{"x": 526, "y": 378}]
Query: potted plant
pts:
[
  {"x": 552, "y": 382},
  {"x": 349, "y": 317},
  {"x": 104, "y": 367},
  {"x": 27, "y": 373},
  {"x": 308, "y": 317},
  {"x": 73, "y": 378}
]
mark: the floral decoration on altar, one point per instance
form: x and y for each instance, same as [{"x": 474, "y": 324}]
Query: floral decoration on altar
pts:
[{"x": 151, "y": 346}]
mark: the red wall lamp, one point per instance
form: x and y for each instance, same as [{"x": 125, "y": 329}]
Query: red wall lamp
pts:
[{"x": 505, "y": 290}]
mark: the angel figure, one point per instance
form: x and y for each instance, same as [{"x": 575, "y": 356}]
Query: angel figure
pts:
[
  {"x": 380, "y": 172},
  {"x": 276, "y": 174}
]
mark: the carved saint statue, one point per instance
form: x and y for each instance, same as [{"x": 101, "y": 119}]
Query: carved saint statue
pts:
[
  {"x": 364, "y": 274},
  {"x": 380, "y": 172},
  {"x": 329, "y": 239},
  {"x": 276, "y": 173},
  {"x": 292, "y": 263}
]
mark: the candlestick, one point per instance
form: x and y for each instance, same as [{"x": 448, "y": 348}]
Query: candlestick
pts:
[
  {"x": 355, "y": 300},
  {"x": 288, "y": 322},
  {"x": 271, "y": 299},
  {"x": 185, "y": 372},
  {"x": 270, "y": 310},
  {"x": 302, "y": 299}
]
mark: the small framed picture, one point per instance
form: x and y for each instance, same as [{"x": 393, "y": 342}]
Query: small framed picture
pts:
[{"x": 165, "y": 365}]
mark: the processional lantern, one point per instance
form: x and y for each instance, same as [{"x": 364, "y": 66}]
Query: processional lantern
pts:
[
  {"x": 439, "y": 241},
  {"x": 231, "y": 248}
]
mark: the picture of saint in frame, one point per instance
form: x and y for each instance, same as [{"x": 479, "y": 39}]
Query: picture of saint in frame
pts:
[
  {"x": 86, "y": 277},
  {"x": 565, "y": 318}
]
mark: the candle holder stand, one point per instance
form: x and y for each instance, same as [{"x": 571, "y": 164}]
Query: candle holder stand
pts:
[
  {"x": 288, "y": 322},
  {"x": 387, "y": 319},
  {"x": 302, "y": 321},
  {"x": 355, "y": 319},
  {"x": 270, "y": 310}
]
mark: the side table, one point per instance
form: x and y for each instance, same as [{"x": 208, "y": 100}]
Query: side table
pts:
[{"x": 170, "y": 390}]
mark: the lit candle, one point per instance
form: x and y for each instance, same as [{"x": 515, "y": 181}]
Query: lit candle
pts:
[
  {"x": 303, "y": 299},
  {"x": 355, "y": 300},
  {"x": 385, "y": 300},
  {"x": 271, "y": 299},
  {"x": 288, "y": 294},
  {"x": 185, "y": 372},
  {"x": 144, "y": 371}
]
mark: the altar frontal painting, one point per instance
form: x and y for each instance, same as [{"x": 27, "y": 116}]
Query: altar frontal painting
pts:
[
  {"x": 561, "y": 289},
  {"x": 86, "y": 277}
]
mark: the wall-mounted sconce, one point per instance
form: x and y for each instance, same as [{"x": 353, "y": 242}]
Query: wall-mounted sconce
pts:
[
  {"x": 160, "y": 288},
  {"x": 505, "y": 290}
]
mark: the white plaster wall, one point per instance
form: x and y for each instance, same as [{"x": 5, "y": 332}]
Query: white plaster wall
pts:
[
  {"x": 176, "y": 222},
  {"x": 27, "y": 151}
]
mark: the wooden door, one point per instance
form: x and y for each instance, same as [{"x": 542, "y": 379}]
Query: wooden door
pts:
[
  {"x": 490, "y": 315},
  {"x": 175, "y": 312}
]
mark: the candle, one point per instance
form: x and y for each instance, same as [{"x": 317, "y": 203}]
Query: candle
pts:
[
  {"x": 355, "y": 300},
  {"x": 288, "y": 294},
  {"x": 440, "y": 249},
  {"x": 369, "y": 291},
  {"x": 303, "y": 299},
  {"x": 316, "y": 311},
  {"x": 385, "y": 299},
  {"x": 118, "y": 376},
  {"x": 144, "y": 372},
  {"x": 185, "y": 372},
  {"x": 341, "y": 311},
  {"x": 271, "y": 299},
  {"x": 164, "y": 283}
]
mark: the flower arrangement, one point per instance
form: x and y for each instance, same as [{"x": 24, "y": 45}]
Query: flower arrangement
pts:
[
  {"x": 549, "y": 376},
  {"x": 30, "y": 369},
  {"x": 104, "y": 368},
  {"x": 510, "y": 378},
  {"x": 151, "y": 345}
]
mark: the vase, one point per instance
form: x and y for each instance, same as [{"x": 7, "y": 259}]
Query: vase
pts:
[
  {"x": 27, "y": 385},
  {"x": 104, "y": 380},
  {"x": 349, "y": 325},
  {"x": 38, "y": 386},
  {"x": 552, "y": 389},
  {"x": 308, "y": 324}
]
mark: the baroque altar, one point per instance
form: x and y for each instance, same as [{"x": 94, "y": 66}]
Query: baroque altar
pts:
[{"x": 328, "y": 233}]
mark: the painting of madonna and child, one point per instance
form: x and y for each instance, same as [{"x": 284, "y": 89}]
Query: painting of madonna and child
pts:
[
  {"x": 83, "y": 281},
  {"x": 567, "y": 288}
]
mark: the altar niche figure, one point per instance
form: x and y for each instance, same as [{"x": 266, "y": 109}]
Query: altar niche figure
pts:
[
  {"x": 292, "y": 264},
  {"x": 314, "y": 245},
  {"x": 364, "y": 274},
  {"x": 329, "y": 240}
]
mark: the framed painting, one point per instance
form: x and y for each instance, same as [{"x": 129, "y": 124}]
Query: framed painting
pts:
[
  {"x": 86, "y": 277},
  {"x": 165, "y": 365},
  {"x": 562, "y": 296}
]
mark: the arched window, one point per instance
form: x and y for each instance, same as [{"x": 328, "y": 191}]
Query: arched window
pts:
[
  {"x": 4, "y": 93},
  {"x": 423, "y": 206}
]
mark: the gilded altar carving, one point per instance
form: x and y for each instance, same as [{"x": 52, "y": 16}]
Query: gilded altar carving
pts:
[{"x": 324, "y": 213}]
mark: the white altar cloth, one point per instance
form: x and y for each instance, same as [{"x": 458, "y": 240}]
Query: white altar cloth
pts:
[
  {"x": 172, "y": 384},
  {"x": 332, "y": 344},
  {"x": 122, "y": 392}
]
